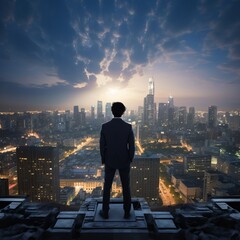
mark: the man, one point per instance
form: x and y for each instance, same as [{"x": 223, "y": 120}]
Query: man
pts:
[{"x": 117, "y": 149}]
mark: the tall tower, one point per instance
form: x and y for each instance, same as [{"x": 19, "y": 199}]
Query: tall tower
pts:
[
  {"x": 38, "y": 173},
  {"x": 82, "y": 117},
  {"x": 162, "y": 114},
  {"x": 92, "y": 112},
  {"x": 170, "y": 102},
  {"x": 149, "y": 105},
  {"x": 191, "y": 117},
  {"x": 108, "y": 112},
  {"x": 100, "y": 110},
  {"x": 76, "y": 117},
  {"x": 150, "y": 86},
  {"x": 212, "y": 116},
  {"x": 182, "y": 116}
]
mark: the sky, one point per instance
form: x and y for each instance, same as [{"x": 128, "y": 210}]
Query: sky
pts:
[{"x": 60, "y": 53}]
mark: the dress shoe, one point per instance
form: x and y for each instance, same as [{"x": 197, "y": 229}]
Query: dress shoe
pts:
[
  {"x": 127, "y": 215},
  {"x": 103, "y": 214}
]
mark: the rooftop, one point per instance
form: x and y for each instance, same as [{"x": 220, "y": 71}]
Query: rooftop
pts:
[{"x": 20, "y": 219}]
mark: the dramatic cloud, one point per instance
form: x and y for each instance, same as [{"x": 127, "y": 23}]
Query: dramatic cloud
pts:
[{"x": 83, "y": 45}]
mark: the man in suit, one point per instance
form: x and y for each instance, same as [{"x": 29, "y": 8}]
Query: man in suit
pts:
[{"x": 117, "y": 149}]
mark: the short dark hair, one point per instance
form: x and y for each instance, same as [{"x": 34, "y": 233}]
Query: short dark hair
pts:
[{"x": 118, "y": 109}]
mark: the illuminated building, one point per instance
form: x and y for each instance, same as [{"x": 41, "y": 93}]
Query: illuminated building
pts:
[
  {"x": 145, "y": 179},
  {"x": 170, "y": 102},
  {"x": 86, "y": 185},
  {"x": 149, "y": 111},
  {"x": 162, "y": 114},
  {"x": 182, "y": 116},
  {"x": 190, "y": 190},
  {"x": 38, "y": 173},
  {"x": 197, "y": 164}
]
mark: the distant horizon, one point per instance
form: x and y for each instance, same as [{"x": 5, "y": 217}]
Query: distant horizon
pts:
[{"x": 88, "y": 108}]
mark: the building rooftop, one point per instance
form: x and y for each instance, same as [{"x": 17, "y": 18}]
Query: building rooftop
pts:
[{"x": 20, "y": 219}]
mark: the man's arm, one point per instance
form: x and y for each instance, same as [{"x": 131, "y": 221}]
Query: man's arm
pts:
[
  {"x": 131, "y": 142},
  {"x": 102, "y": 146}
]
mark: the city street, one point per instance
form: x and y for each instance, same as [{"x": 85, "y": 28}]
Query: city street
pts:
[
  {"x": 165, "y": 194},
  {"x": 79, "y": 147}
]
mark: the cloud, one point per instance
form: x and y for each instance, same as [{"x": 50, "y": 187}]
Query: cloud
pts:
[
  {"x": 225, "y": 29},
  {"x": 181, "y": 16},
  {"x": 88, "y": 44}
]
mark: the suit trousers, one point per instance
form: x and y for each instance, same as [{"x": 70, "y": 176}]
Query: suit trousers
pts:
[{"x": 125, "y": 180}]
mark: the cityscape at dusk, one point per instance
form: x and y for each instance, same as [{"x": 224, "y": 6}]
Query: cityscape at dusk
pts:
[
  {"x": 66, "y": 67},
  {"x": 56, "y": 54}
]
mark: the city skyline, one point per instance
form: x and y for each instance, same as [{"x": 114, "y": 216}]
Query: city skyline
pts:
[{"x": 54, "y": 55}]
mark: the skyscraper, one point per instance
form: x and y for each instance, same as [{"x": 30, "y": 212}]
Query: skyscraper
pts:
[
  {"x": 212, "y": 116},
  {"x": 162, "y": 114},
  {"x": 145, "y": 179},
  {"x": 38, "y": 173},
  {"x": 82, "y": 116},
  {"x": 92, "y": 112},
  {"x": 100, "y": 115},
  {"x": 171, "y": 112},
  {"x": 149, "y": 113},
  {"x": 150, "y": 86},
  {"x": 108, "y": 112},
  {"x": 170, "y": 102},
  {"x": 182, "y": 116},
  {"x": 76, "y": 117},
  {"x": 191, "y": 117}
]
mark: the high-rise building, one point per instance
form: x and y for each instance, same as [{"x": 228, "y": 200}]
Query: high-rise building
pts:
[
  {"x": 212, "y": 116},
  {"x": 190, "y": 118},
  {"x": 150, "y": 86},
  {"x": 67, "y": 119},
  {"x": 140, "y": 112},
  {"x": 82, "y": 117},
  {"x": 197, "y": 164},
  {"x": 76, "y": 117},
  {"x": 210, "y": 181},
  {"x": 149, "y": 114},
  {"x": 218, "y": 184},
  {"x": 171, "y": 117},
  {"x": 145, "y": 179},
  {"x": 38, "y": 173},
  {"x": 162, "y": 114},
  {"x": 100, "y": 115},
  {"x": 92, "y": 112},
  {"x": 182, "y": 116},
  {"x": 170, "y": 102},
  {"x": 108, "y": 112},
  {"x": 171, "y": 112}
]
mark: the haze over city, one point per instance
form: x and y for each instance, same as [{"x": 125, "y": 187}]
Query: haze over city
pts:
[{"x": 56, "y": 54}]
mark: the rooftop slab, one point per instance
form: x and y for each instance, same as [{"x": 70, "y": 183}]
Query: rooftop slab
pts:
[{"x": 116, "y": 214}]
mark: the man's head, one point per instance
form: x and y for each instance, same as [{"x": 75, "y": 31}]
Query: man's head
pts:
[{"x": 118, "y": 109}]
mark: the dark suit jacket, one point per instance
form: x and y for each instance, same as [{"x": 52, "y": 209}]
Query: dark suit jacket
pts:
[{"x": 117, "y": 145}]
